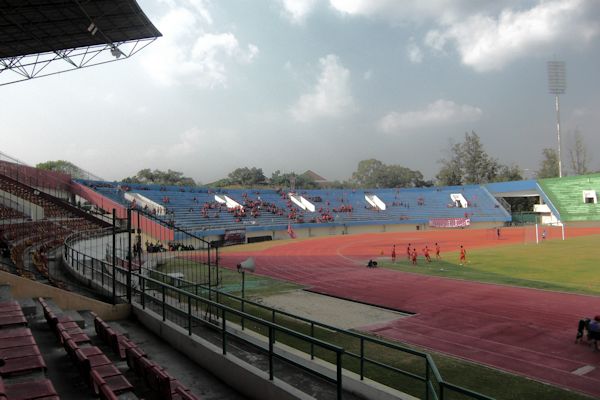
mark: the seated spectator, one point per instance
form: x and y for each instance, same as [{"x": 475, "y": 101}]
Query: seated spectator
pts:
[{"x": 593, "y": 330}]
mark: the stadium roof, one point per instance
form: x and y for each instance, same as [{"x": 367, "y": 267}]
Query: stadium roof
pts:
[{"x": 35, "y": 34}]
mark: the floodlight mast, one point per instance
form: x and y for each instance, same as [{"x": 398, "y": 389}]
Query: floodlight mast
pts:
[{"x": 557, "y": 84}]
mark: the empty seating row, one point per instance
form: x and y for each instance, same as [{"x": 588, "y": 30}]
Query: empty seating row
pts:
[
  {"x": 20, "y": 356},
  {"x": 153, "y": 375},
  {"x": 96, "y": 369},
  {"x": 41, "y": 389},
  {"x": 11, "y": 315}
]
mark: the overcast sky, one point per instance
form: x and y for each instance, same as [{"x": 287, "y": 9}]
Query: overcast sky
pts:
[{"x": 318, "y": 84}]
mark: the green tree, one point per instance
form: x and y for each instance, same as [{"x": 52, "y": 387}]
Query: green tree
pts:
[
  {"x": 508, "y": 173},
  {"x": 578, "y": 154},
  {"x": 66, "y": 167},
  {"x": 549, "y": 164},
  {"x": 468, "y": 163},
  {"x": 158, "y": 177},
  {"x": 247, "y": 176},
  {"x": 373, "y": 173},
  {"x": 451, "y": 172},
  {"x": 284, "y": 180}
]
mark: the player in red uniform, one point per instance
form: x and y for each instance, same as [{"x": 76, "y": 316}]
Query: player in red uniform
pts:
[
  {"x": 394, "y": 253},
  {"x": 426, "y": 253},
  {"x": 437, "y": 252},
  {"x": 414, "y": 256},
  {"x": 463, "y": 255}
]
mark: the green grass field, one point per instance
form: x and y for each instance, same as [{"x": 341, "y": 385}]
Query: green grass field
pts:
[
  {"x": 553, "y": 265},
  {"x": 570, "y": 265}
]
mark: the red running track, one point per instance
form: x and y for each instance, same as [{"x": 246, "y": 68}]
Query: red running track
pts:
[{"x": 524, "y": 331}]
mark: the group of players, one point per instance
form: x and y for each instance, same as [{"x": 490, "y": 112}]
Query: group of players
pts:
[{"x": 412, "y": 254}]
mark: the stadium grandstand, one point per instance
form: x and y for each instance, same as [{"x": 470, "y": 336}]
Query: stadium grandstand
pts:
[
  {"x": 86, "y": 236},
  {"x": 124, "y": 291}
]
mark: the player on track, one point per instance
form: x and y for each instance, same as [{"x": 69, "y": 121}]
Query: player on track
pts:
[
  {"x": 463, "y": 255},
  {"x": 394, "y": 253},
  {"x": 413, "y": 256},
  {"x": 408, "y": 252},
  {"x": 426, "y": 254},
  {"x": 437, "y": 251}
]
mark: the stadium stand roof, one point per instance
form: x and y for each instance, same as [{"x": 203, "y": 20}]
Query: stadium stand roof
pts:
[
  {"x": 44, "y": 37},
  {"x": 525, "y": 188}
]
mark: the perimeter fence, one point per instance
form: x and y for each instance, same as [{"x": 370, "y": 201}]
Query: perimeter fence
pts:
[{"x": 181, "y": 284}]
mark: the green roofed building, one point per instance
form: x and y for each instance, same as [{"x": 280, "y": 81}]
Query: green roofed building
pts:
[{"x": 575, "y": 197}]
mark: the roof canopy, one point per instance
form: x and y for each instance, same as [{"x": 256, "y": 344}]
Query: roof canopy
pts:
[{"x": 34, "y": 33}]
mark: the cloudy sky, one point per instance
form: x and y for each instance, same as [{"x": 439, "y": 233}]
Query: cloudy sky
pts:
[{"x": 318, "y": 84}]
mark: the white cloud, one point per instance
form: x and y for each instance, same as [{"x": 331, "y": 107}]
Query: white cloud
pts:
[
  {"x": 407, "y": 10},
  {"x": 331, "y": 95},
  {"x": 434, "y": 114},
  {"x": 297, "y": 10},
  {"x": 187, "y": 54},
  {"x": 413, "y": 52},
  {"x": 486, "y": 43},
  {"x": 188, "y": 144}
]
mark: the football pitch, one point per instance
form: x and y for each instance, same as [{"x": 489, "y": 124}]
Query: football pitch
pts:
[{"x": 571, "y": 265}]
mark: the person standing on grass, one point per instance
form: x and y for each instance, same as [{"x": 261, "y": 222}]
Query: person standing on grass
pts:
[
  {"x": 394, "y": 254},
  {"x": 463, "y": 255},
  {"x": 426, "y": 254},
  {"x": 437, "y": 251},
  {"x": 414, "y": 256},
  {"x": 408, "y": 252}
]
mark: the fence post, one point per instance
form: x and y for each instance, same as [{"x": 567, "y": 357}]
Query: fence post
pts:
[
  {"x": 362, "y": 358},
  {"x": 312, "y": 345},
  {"x": 427, "y": 378},
  {"x": 271, "y": 353},
  {"x": 114, "y": 255},
  {"x": 163, "y": 302},
  {"x": 189, "y": 299},
  {"x": 129, "y": 260},
  {"x": 224, "y": 332},
  {"x": 143, "y": 282},
  {"x": 338, "y": 359}
]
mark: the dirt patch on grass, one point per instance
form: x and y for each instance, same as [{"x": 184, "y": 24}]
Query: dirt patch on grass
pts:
[{"x": 330, "y": 310}]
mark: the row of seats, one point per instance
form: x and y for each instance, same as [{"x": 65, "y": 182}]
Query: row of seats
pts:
[
  {"x": 9, "y": 213},
  {"x": 17, "y": 189},
  {"x": 188, "y": 206},
  {"x": 96, "y": 369},
  {"x": 20, "y": 357},
  {"x": 153, "y": 375}
]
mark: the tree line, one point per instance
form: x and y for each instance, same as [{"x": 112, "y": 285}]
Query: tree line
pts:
[{"x": 465, "y": 162}]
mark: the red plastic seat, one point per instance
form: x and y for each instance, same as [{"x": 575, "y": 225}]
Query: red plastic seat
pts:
[
  {"x": 133, "y": 354},
  {"x": 21, "y": 351},
  {"x": 39, "y": 389},
  {"x": 21, "y": 365},
  {"x": 182, "y": 393},
  {"x": 12, "y": 320},
  {"x": 112, "y": 377},
  {"x": 16, "y": 341},
  {"x": 14, "y": 332}
]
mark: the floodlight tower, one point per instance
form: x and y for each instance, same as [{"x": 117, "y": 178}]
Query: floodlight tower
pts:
[{"x": 557, "y": 83}]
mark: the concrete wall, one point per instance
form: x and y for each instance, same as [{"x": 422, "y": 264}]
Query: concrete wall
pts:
[
  {"x": 12, "y": 201},
  {"x": 244, "y": 377},
  {"x": 325, "y": 230},
  {"x": 23, "y": 288}
]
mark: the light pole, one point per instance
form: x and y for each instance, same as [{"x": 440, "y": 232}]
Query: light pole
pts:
[
  {"x": 557, "y": 83},
  {"x": 247, "y": 265}
]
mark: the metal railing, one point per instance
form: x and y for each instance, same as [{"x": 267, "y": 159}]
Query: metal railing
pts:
[
  {"x": 129, "y": 285},
  {"x": 361, "y": 355}
]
